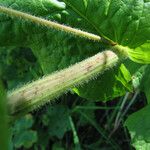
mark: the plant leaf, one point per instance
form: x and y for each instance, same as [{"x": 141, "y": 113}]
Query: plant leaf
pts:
[
  {"x": 25, "y": 139},
  {"x": 57, "y": 120},
  {"x": 141, "y": 54},
  {"x": 23, "y": 136},
  {"x": 123, "y": 21},
  {"x": 138, "y": 126}
]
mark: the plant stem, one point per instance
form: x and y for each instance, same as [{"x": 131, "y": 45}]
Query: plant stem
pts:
[
  {"x": 101, "y": 131},
  {"x": 121, "y": 108},
  {"x": 121, "y": 50},
  {"x": 129, "y": 105},
  {"x": 37, "y": 93},
  {"x": 75, "y": 135},
  {"x": 50, "y": 24},
  {"x": 120, "y": 116}
]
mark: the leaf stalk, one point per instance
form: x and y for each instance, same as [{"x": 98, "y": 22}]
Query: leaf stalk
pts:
[
  {"x": 50, "y": 24},
  {"x": 42, "y": 91}
]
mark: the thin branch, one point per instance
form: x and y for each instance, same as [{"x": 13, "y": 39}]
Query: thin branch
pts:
[
  {"x": 75, "y": 135},
  {"x": 121, "y": 50},
  {"x": 121, "y": 108},
  {"x": 50, "y": 24},
  {"x": 119, "y": 118},
  {"x": 129, "y": 105}
]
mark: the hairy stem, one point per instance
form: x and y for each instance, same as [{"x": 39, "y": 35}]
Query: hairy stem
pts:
[
  {"x": 37, "y": 93},
  {"x": 50, "y": 24}
]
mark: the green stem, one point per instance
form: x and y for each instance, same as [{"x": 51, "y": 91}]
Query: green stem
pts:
[
  {"x": 37, "y": 93},
  {"x": 121, "y": 108},
  {"x": 122, "y": 51},
  {"x": 75, "y": 135},
  {"x": 50, "y": 24}
]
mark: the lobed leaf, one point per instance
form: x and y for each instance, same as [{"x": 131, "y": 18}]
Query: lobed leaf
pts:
[{"x": 123, "y": 21}]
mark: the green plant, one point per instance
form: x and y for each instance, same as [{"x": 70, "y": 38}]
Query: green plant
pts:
[{"x": 121, "y": 33}]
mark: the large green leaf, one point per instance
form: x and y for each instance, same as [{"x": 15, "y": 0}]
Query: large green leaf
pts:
[
  {"x": 138, "y": 125},
  {"x": 123, "y": 21}
]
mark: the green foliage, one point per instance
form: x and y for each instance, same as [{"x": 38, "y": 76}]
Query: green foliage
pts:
[
  {"x": 28, "y": 51},
  {"x": 18, "y": 66},
  {"x": 57, "y": 125},
  {"x": 49, "y": 51},
  {"x": 54, "y": 55},
  {"x": 138, "y": 126},
  {"x": 123, "y": 21},
  {"x": 23, "y": 135}
]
